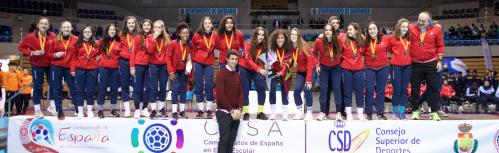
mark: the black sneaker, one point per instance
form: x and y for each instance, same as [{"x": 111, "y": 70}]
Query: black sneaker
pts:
[
  {"x": 114, "y": 113},
  {"x": 369, "y": 116},
  {"x": 175, "y": 116},
  {"x": 209, "y": 115},
  {"x": 200, "y": 115},
  {"x": 163, "y": 112},
  {"x": 100, "y": 114},
  {"x": 246, "y": 116},
  {"x": 60, "y": 115},
  {"x": 182, "y": 115},
  {"x": 381, "y": 116},
  {"x": 261, "y": 116},
  {"x": 153, "y": 114}
]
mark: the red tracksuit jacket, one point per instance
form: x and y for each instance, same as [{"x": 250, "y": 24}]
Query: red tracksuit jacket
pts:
[
  {"x": 32, "y": 43},
  {"x": 82, "y": 61},
  {"x": 247, "y": 61},
  {"x": 433, "y": 44},
  {"x": 204, "y": 47},
  {"x": 447, "y": 90},
  {"x": 156, "y": 50},
  {"x": 177, "y": 56},
  {"x": 305, "y": 63},
  {"x": 324, "y": 56},
  {"x": 111, "y": 61},
  {"x": 127, "y": 43},
  {"x": 380, "y": 58},
  {"x": 348, "y": 61},
  {"x": 398, "y": 46},
  {"x": 222, "y": 43},
  {"x": 69, "y": 56},
  {"x": 138, "y": 55}
]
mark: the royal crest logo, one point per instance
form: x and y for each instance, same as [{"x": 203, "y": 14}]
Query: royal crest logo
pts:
[
  {"x": 465, "y": 142},
  {"x": 157, "y": 137},
  {"x": 340, "y": 124},
  {"x": 36, "y": 135}
]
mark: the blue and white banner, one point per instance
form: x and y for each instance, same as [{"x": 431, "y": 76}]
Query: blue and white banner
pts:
[
  {"x": 333, "y": 10},
  {"x": 256, "y": 136},
  {"x": 184, "y": 11},
  {"x": 454, "y": 65},
  {"x": 486, "y": 54}
]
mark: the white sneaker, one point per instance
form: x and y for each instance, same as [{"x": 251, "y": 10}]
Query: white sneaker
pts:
[
  {"x": 136, "y": 115},
  {"x": 298, "y": 115},
  {"x": 80, "y": 115},
  {"x": 361, "y": 117},
  {"x": 442, "y": 113},
  {"x": 461, "y": 109},
  {"x": 272, "y": 116},
  {"x": 308, "y": 116},
  {"x": 127, "y": 114},
  {"x": 38, "y": 114},
  {"x": 349, "y": 117},
  {"x": 321, "y": 116},
  {"x": 90, "y": 114},
  {"x": 285, "y": 116},
  {"x": 145, "y": 113},
  {"x": 339, "y": 117},
  {"x": 52, "y": 111}
]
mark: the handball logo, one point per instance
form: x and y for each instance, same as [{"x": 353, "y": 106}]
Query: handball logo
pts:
[
  {"x": 496, "y": 140},
  {"x": 465, "y": 142},
  {"x": 36, "y": 135},
  {"x": 157, "y": 137}
]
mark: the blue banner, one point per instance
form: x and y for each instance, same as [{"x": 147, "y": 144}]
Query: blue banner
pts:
[
  {"x": 332, "y": 10},
  {"x": 184, "y": 11}
]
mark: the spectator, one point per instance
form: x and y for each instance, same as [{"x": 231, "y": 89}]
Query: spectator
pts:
[
  {"x": 487, "y": 95},
  {"x": 448, "y": 94},
  {"x": 452, "y": 31},
  {"x": 26, "y": 93},
  {"x": 11, "y": 80},
  {"x": 460, "y": 30}
]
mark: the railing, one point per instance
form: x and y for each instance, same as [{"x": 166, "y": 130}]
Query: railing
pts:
[{"x": 8, "y": 101}]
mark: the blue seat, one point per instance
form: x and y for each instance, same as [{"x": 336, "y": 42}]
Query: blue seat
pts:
[
  {"x": 466, "y": 42},
  {"x": 477, "y": 43}
]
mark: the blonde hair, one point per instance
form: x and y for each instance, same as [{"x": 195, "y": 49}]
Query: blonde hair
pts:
[{"x": 165, "y": 35}]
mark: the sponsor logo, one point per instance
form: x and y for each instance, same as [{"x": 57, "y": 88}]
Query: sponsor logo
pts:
[
  {"x": 157, "y": 137},
  {"x": 340, "y": 140},
  {"x": 465, "y": 142},
  {"x": 37, "y": 135}
]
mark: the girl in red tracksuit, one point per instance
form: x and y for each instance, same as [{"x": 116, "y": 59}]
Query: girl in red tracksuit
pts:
[
  {"x": 352, "y": 64},
  {"x": 156, "y": 51},
  {"x": 127, "y": 35},
  {"x": 400, "y": 67},
  {"x": 376, "y": 61},
  {"x": 36, "y": 45},
  {"x": 280, "y": 57},
  {"x": 253, "y": 68},
  {"x": 304, "y": 62},
  {"x": 449, "y": 94},
  {"x": 139, "y": 69},
  {"x": 327, "y": 51},
  {"x": 85, "y": 69},
  {"x": 228, "y": 38},
  {"x": 62, "y": 57},
  {"x": 177, "y": 59},
  {"x": 110, "y": 49},
  {"x": 203, "y": 59}
]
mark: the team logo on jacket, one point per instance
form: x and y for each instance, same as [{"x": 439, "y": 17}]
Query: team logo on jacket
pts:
[
  {"x": 465, "y": 142},
  {"x": 157, "y": 137},
  {"x": 37, "y": 135}
]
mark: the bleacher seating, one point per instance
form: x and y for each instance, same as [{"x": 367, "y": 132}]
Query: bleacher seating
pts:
[
  {"x": 98, "y": 14},
  {"x": 32, "y": 7},
  {"x": 457, "y": 14},
  {"x": 459, "y": 40}
]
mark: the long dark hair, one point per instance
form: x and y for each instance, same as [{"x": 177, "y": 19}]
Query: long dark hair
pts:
[
  {"x": 300, "y": 42},
  {"x": 106, "y": 39},
  {"x": 142, "y": 33},
  {"x": 336, "y": 44},
  {"x": 38, "y": 22},
  {"x": 125, "y": 30},
  {"x": 378, "y": 35},
  {"x": 80, "y": 40},
  {"x": 273, "y": 40},
  {"x": 201, "y": 29},
  {"x": 359, "y": 41},
  {"x": 221, "y": 26},
  {"x": 254, "y": 42}
]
